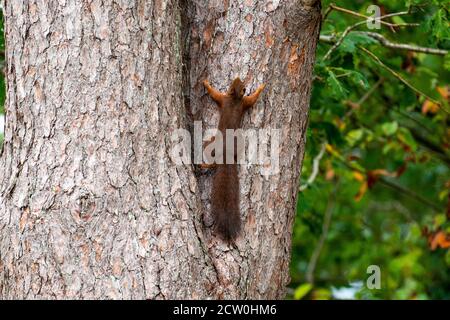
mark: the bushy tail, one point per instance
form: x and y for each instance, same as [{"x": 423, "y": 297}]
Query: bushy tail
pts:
[{"x": 225, "y": 202}]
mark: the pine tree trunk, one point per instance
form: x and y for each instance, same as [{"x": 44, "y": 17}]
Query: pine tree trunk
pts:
[{"x": 92, "y": 206}]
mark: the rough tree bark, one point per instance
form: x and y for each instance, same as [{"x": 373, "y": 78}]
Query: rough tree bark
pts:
[{"x": 91, "y": 204}]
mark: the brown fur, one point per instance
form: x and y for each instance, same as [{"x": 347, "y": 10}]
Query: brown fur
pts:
[
  {"x": 225, "y": 185},
  {"x": 225, "y": 201}
]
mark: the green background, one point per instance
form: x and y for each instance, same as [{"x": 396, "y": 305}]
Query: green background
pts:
[{"x": 380, "y": 135}]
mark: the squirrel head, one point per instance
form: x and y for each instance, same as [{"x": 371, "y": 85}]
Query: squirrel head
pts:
[{"x": 237, "y": 89}]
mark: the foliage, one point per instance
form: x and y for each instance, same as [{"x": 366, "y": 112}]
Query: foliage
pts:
[{"x": 385, "y": 174}]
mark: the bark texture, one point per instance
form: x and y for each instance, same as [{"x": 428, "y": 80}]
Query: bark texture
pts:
[{"x": 91, "y": 206}]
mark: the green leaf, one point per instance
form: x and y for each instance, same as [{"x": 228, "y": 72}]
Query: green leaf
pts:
[
  {"x": 447, "y": 62},
  {"x": 336, "y": 87},
  {"x": 388, "y": 147},
  {"x": 437, "y": 25},
  {"x": 354, "y": 136},
  {"x": 447, "y": 258},
  {"x": 353, "y": 39},
  {"x": 359, "y": 79},
  {"x": 439, "y": 220},
  {"x": 302, "y": 291},
  {"x": 405, "y": 136},
  {"x": 398, "y": 20},
  {"x": 389, "y": 128},
  {"x": 353, "y": 76},
  {"x": 322, "y": 294}
]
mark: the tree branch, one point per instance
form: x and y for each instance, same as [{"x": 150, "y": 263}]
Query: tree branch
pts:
[
  {"x": 393, "y": 206},
  {"x": 367, "y": 18},
  {"x": 350, "y": 28},
  {"x": 341, "y": 39},
  {"x": 325, "y": 227},
  {"x": 356, "y": 105},
  {"x": 384, "y": 181},
  {"x": 331, "y": 39},
  {"x": 431, "y": 146},
  {"x": 399, "y": 77},
  {"x": 401, "y": 46},
  {"x": 410, "y": 194}
]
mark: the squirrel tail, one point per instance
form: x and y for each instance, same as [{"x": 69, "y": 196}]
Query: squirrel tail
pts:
[{"x": 225, "y": 202}]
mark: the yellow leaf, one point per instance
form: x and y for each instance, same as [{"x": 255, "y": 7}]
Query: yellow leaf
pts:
[
  {"x": 361, "y": 192},
  {"x": 358, "y": 176},
  {"x": 444, "y": 92},
  {"x": 321, "y": 294},
  {"x": 429, "y": 107},
  {"x": 329, "y": 148}
]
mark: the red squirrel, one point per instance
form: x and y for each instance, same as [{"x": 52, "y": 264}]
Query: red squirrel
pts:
[{"x": 225, "y": 184}]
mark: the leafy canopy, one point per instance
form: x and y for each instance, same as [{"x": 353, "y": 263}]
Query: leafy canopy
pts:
[{"x": 382, "y": 193}]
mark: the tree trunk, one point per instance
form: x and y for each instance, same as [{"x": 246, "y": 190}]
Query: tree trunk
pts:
[{"x": 92, "y": 206}]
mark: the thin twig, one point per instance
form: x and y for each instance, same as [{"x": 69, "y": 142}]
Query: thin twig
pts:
[
  {"x": 399, "y": 77},
  {"x": 325, "y": 228},
  {"x": 326, "y": 13},
  {"x": 315, "y": 170},
  {"x": 330, "y": 39},
  {"x": 415, "y": 120},
  {"x": 384, "y": 181},
  {"x": 357, "y": 14},
  {"x": 370, "y": 91},
  {"x": 364, "y": 97},
  {"x": 431, "y": 146},
  {"x": 410, "y": 194},
  {"x": 393, "y": 206},
  {"x": 350, "y": 28},
  {"x": 341, "y": 39}
]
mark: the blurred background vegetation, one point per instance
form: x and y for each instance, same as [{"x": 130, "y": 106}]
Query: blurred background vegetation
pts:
[
  {"x": 375, "y": 181},
  {"x": 380, "y": 139}
]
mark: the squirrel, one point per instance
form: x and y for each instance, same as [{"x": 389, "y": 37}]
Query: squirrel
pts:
[{"x": 225, "y": 185}]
